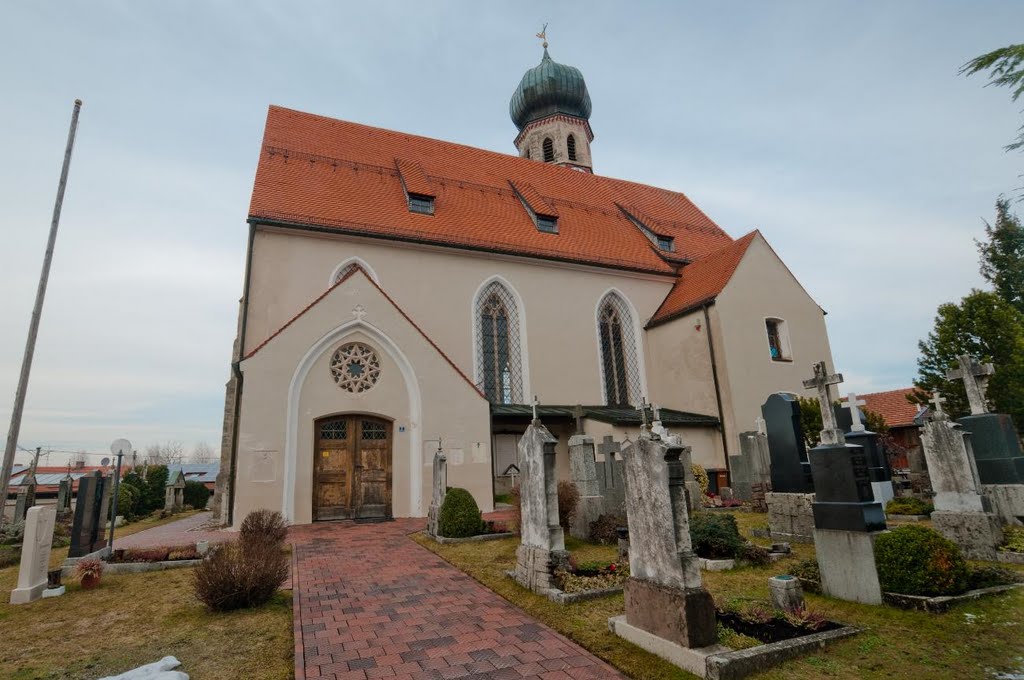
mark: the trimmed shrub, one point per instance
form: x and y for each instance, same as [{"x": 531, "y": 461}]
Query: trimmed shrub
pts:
[
  {"x": 263, "y": 525},
  {"x": 715, "y": 536},
  {"x": 914, "y": 560},
  {"x": 604, "y": 529},
  {"x": 568, "y": 503},
  {"x": 127, "y": 499},
  {"x": 460, "y": 515},
  {"x": 196, "y": 494},
  {"x": 908, "y": 505},
  {"x": 807, "y": 571},
  {"x": 248, "y": 572}
]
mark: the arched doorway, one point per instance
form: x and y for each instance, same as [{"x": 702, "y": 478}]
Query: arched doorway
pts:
[{"x": 352, "y": 468}]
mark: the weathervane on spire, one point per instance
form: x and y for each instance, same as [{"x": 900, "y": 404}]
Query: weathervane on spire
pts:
[{"x": 543, "y": 35}]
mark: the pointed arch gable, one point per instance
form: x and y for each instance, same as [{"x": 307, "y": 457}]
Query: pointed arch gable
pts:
[
  {"x": 625, "y": 366},
  {"x": 516, "y": 347},
  {"x": 338, "y": 272}
]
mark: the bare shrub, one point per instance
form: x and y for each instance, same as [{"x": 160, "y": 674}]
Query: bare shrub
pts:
[{"x": 264, "y": 525}]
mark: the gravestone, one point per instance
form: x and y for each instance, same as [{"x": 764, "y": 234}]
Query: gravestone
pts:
[
  {"x": 847, "y": 519},
  {"x": 849, "y": 419},
  {"x": 24, "y": 501},
  {"x": 668, "y": 611},
  {"x": 790, "y": 469},
  {"x": 64, "y": 496},
  {"x": 542, "y": 543},
  {"x": 88, "y": 529},
  {"x": 611, "y": 477},
  {"x": 997, "y": 452},
  {"x": 439, "y": 485},
  {"x": 35, "y": 555},
  {"x": 752, "y": 466},
  {"x": 174, "y": 491},
  {"x": 962, "y": 513},
  {"x": 583, "y": 473}
]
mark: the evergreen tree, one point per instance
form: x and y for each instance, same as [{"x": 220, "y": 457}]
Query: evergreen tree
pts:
[
  {"x": 1006, "y": 69},
  {"x": 989, "y": 328},
  {"x": 1002, "y": 255}
]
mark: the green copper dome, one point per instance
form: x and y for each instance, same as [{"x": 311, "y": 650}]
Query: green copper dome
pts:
[{"x": 549, "y": 88}]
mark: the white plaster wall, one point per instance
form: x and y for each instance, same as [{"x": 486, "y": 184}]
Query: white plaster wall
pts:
[
  {"x": 763, "y": 287},
  {"x": 288, "y": 386},
  {"x": 436, "y": 288}
]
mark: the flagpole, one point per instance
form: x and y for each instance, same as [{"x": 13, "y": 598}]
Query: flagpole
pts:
[{"x": 33, "y": 328}]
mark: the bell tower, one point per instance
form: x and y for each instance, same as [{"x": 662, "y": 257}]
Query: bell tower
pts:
[{"x": 551, "y": 109}]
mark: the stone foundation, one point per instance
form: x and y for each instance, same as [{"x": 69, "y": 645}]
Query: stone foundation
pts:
[
  {"x": 790, "y": 516},
  {"x": 977, "y": 533},
  {"x": 535, "y": 567},
  {"x": 846, "y": 560},
  {"x": 685, "y": 617}
]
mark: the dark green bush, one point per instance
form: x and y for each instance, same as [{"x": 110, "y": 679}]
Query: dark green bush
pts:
[
  {"x": 987, "y": 577},
  {"x": 908, "y": 505},
  {"x": 915, "y": 560},
  {"x": 715, "y": 536},
  {"x": 127, "y": 500},
  {"x": 196, "y": 494},
  {"x": 460, "y": 515}
]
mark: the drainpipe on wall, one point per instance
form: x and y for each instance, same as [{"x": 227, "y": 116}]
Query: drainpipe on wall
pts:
[
  {"x": 235, "y": 368},
  {"x": 718, "y": 391}
]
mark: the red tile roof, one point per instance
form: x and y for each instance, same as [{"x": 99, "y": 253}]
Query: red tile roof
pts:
[
  {"x": 700, "y": 282},
  {"x": 892, "y": 406},
  {"x": 343, "y": 176}
]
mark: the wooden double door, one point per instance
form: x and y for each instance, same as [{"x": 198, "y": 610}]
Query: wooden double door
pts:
[{"x": 352, "y": 470}]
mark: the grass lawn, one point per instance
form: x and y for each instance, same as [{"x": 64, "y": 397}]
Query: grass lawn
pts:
[
  {"x": 134, "y": 619},
  {"x": 974, "y": 640}
]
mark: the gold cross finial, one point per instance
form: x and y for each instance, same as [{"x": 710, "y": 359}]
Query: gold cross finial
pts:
[{"x": 543, "y": 35}]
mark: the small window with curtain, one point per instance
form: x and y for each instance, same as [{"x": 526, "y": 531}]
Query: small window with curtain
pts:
[
  {"x": 571, "y": 143},
  {"x": 549, "y": 150},
  {"x": 778, "y": 340}
]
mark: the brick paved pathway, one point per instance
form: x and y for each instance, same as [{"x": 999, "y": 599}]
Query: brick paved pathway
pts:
[
  {"x": 371, "y": 603},
  {"x": 183, "y": 532}
]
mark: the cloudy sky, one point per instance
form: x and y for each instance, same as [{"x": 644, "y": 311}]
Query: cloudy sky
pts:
[{"x": 841, "y": 130}]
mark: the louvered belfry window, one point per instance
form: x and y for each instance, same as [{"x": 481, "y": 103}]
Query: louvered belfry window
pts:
[
  {"x": 571, "y": 143},
  {"x": 498, "y": 356},
  {"x": 618, "y": 353},
  {"x": 549, "y": 150}
]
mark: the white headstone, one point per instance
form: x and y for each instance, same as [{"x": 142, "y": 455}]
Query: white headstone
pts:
[
  {"x": 35, "y": 554},
  {"x": 852, "y": 402}
]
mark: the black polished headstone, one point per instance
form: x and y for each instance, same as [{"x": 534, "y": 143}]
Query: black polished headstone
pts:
[
  {"x": 997, "y": 450},
  {"x": 878, "y": 462},
  {"x": 88, "y": 529},
  {"x": 791, "y": 472},
  {"x": 842, "y": 486}
]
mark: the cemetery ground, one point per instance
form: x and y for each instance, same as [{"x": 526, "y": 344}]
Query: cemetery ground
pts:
[
  {"x": 978, "y": 639},
  {"x": 134, "y": 619}
]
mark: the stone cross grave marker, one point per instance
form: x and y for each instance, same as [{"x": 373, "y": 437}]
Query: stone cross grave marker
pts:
[
  {"x": 35, "y": 554},
  {"x": 609, "y": 448},
  {"x": 975, "y": 377},
  {"x": 937, "y": 401},
  {"x": 439, "y": 483},
  {"x": 852, "y": 403},
  {"x": 823, "y": 382},
  {"x": 577, "y": 414}
]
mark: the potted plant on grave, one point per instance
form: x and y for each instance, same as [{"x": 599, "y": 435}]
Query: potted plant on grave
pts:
[{"x": 89, "y": 570}]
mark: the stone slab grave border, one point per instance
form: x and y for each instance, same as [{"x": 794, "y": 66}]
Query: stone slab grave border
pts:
[
  {"x": 940, "y": 604},
  {"x": 444, "y": 540},
  {"x": 561, "y": 597},
  {"x": 907, "y": 518},
  {"x": 1007, "y": 557},
  {"x": 719, "y": 662},
  {"x": 716, "y": 565}
]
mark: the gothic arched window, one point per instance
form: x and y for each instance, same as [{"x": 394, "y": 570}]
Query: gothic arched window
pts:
[
  {"x": 571, "y": 143},
  {"x": 499, "y": 361},
  {"x": 619, "y": 363},
  {"x": 549, "y": 150}
]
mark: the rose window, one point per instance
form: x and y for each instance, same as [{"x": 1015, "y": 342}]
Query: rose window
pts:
[{"x": 355, "y": 367}]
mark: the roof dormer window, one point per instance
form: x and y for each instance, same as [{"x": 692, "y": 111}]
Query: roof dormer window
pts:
[
  {"x": 418, "y": 203},
  {"x": 666, "y": 242},
  {"x": 540, "y": 209},
  {"x": 547, "y": 224}
]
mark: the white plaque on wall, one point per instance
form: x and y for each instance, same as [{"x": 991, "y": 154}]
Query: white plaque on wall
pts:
[{"x": 264, "y": 466}]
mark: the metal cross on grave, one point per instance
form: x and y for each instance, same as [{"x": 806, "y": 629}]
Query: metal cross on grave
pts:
[
  {"x": 535, "y": 403},
  {"x": 975, "y": 376},
  {"x": 937, "y": 401},
  {"x": 852, "y": 402},
  {"x": 823, "y": 382}
]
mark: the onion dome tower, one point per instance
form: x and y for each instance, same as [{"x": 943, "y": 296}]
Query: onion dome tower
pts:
[{"x": 551, "y": 108}]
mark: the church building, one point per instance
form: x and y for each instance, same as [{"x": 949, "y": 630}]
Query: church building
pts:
[{"x": 404, "y": 295}]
